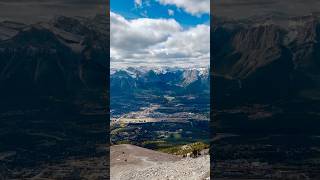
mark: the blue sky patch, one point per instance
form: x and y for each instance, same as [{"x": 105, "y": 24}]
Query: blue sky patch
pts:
[{"x": 153, "y": 9}]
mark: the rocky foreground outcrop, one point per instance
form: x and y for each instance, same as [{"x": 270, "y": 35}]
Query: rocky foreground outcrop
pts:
[{"x": 130, "y": 162}]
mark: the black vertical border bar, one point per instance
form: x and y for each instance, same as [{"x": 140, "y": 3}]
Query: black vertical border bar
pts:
[
  {"x": 107, "y": 11},
  {"x": 212, "y": 163}
]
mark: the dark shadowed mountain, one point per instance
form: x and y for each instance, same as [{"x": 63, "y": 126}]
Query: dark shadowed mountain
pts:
[
  {"x": 268, "y": 57},
  {"x": 53, "y": 90},
  {"x": 265, "y": 97},
  {"x": 53, "y": 58}
]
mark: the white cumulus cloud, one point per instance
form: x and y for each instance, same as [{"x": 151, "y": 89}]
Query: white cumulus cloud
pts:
[
  {"x": 194, "y": 7},
  {"x": 157, "y": 42}
]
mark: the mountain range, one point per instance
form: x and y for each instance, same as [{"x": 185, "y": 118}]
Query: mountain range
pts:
[
  {"x": 272, "y": 53},
  {"x": 265, "y": 57},
  {"x": 133, "y": 80},
  {"x": 55, "y": 58},
  {"x": 53, "y": 91}
]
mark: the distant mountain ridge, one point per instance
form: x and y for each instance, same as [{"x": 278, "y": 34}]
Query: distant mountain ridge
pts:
[{"x": 183, "y": 80}]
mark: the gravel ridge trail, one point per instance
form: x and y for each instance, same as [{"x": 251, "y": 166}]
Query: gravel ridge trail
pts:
[{"x": 130, "y": 162}]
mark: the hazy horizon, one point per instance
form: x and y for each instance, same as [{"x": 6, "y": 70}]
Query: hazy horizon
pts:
[
  {"x": 237, "y": 9},
  {"x": 33, "y": 11}
]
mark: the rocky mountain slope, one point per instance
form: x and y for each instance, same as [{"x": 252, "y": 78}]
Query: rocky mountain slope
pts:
[
  {"x": 268, "y": 57},
  {"x": 53, "y": 58},
  {"x": 53, "y": 91},
  {"x": 266, "y": 97},
  {"x": 132, "y": 162}
]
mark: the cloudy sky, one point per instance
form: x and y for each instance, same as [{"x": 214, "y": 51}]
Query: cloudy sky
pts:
[
  {"x": 160, "y": 33},
  {"x": 245, "y": 8},
  {"x": 31, "y": 11}
]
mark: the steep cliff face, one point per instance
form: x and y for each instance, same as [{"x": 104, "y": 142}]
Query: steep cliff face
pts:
[
  {"x": 268, "y": 57},
  {"x": 250, "y": 49},
  {"x": 54, "y": 58},
  {"x": 255, "y": 57},
  {"x": 306, "y": 47},
  {"x": 53, "y": 81}
]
